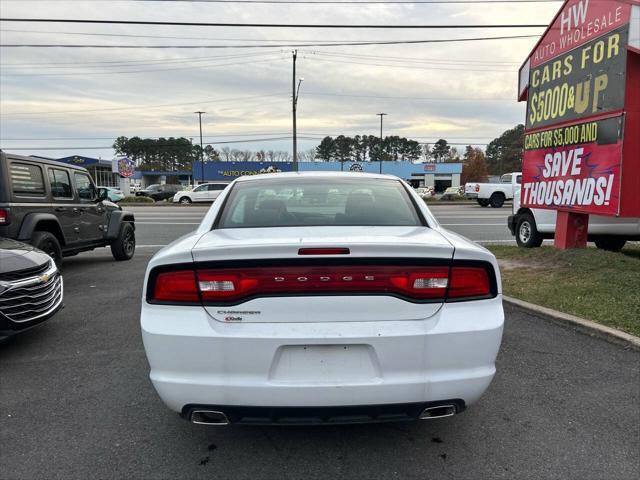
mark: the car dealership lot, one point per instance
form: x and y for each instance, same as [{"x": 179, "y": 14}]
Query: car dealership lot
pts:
[{"x": 75, "y": 400}]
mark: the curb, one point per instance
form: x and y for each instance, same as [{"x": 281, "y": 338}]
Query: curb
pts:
[{"x": 587, "y": 326}]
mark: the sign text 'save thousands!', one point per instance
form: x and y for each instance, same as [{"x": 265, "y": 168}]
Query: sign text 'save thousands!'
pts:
[{"x": 576, "y": 165}]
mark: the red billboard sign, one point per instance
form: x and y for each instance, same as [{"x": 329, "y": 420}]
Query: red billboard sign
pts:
[
  {"x": 575, "y": 167},
  {"x": 578, "y": 22},
  {"x": 581, "y": 86}
]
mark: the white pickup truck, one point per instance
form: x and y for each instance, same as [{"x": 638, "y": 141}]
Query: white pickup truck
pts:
[
  {"x": 493, "y": 194},
  {"x": 532, "y": 225}
]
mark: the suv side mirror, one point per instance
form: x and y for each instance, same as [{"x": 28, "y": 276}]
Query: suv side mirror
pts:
[{"x": 103, "y": 194}]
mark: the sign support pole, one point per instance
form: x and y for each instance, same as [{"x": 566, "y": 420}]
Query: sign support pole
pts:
[{"x": 571, "y": 230}]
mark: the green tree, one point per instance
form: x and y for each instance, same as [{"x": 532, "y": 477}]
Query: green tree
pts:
[
  {"x": 326, "y": 150},
  {"x": 504, "y": 154},
  {"x": 344, "y": 148},
  {"x": 164, "y": 154},
  {"x": 440, "y": 151}
]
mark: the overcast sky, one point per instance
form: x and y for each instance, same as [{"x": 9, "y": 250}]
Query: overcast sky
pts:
[{"x": 463, "y": 92}]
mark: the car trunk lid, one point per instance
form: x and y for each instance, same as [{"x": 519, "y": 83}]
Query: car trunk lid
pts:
[{"x": 300, "y": 267}]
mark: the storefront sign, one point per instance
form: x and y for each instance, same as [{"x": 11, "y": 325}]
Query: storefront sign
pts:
[
  {"x": 576, "y": 167},
  {"x": 123, "y": 166},
  {"x": 580, "y": 84},
  {"x": 588, "y": 80}
]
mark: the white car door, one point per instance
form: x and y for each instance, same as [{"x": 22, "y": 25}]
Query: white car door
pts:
[
  {"x": 214, "y": 190},
  {"x": 200, "y": 193}
]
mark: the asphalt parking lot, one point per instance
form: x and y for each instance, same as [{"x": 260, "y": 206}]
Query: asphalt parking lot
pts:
[{"x": 75, "y": 400}]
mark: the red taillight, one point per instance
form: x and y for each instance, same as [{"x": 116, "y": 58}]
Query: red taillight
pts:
[
  {"x": 477, "y": 188},
  {"x": 4, "y": 216},
  {"x": 239, "y": 284},
  {"x": 230, "y": 285},
  {"x": 467, "y": 282},
  {"x": 177, "y": 286}
]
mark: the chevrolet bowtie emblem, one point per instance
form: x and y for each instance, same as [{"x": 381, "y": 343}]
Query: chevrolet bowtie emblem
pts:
[{"x": 45, "y": 278}]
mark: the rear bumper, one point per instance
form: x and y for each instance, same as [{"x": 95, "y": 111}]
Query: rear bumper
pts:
[
  {"x": 196, "y": 360},
  {"x": 471, "y": 196},
  {"x": 320, "y": 415}
]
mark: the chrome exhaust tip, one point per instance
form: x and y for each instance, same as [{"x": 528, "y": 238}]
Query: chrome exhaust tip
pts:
[
  {"x": 439, "y": 411},
  {"x": 208, "y": 417}
]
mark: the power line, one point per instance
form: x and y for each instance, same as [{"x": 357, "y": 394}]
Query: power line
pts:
[
  {"x": 113, "y": 137},
  {"x": 221, "y": 142},
  {"x": 91, "y": 34},
  {"x": 142, "y": 107},
  {"x": 133, "y": 63},
  {"x": 222, "y": 135},
  {"x": 412, "y": 59},
  {"x": 413, "y": 67},
  {"x": 58, "y": 32},
  {"x": 283, "y": 45},
  {"x": 432, "y": 99},
  {"x": 211, "y": 65},
  {"x": 267, "y": 25},
  {"x": 320, "y": 2}
]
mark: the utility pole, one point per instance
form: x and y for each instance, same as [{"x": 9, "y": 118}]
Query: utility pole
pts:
[
  {"x": 201, "y": 148},
  {"x": 381, "y": 115},
  {"x": 294, "y": 100}
]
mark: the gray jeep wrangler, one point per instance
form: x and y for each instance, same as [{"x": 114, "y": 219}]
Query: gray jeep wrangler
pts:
[{"x": 57, "y": 208}]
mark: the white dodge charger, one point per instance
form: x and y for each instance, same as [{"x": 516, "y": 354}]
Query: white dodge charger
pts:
[{"x": 321, "y": 298}]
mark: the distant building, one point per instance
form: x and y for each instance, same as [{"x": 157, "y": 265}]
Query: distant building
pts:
[
  {"x": 100, "y": 169},
  {"x": 437, "y": 175}
]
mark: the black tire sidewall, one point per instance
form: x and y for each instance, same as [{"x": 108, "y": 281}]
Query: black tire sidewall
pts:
[
  {"x": 118, "y": 248},
  {"x": 496, "y": 200},
  {"x": 48, "y": 243},
  {"x": 611, "y": 244}
]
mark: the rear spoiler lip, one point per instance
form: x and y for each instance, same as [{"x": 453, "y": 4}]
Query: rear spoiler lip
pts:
[{"x": 324, "y": 261}]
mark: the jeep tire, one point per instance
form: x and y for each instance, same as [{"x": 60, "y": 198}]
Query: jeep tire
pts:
[
  {"x": 49, "y": 244},
  {"x": 124, "y": 246}
]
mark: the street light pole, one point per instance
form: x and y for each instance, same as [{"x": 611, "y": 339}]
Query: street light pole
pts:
[
  {"x": 201, "y": 148},
  {"x": 294, "y": 108},
  {"x": 380, "y": 152}
]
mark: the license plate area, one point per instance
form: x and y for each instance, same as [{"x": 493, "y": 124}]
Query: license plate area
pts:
[{"x": 325, "y": 365}]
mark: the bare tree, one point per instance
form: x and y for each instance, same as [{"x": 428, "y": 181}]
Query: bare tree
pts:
[{"x": 225, "y": 154}]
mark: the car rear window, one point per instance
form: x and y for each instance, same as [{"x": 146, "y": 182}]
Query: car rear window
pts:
[
  {"x": 318, "y": 201},
  {"x": 26, "y": 178}
]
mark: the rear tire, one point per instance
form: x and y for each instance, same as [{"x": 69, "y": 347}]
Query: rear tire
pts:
[
  {"x": 527, "y": 234},
  {"x": 610, "y": 243},
  {"x": 497, "y": 200},
  {"x": 124, "y": 246},
  {"x": 185, "y": 200},
  {"x": 483, "y": 202},
  {"x": 49, "y": 244}
]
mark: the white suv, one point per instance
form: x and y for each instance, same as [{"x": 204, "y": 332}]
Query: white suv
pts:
[
  {"x": 206, "y": 192},
  {"x": 346, "y": 302},
  {"x": 531, "y": 226}
]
